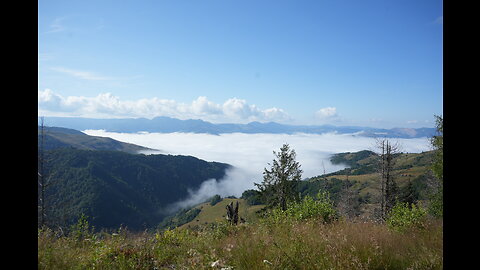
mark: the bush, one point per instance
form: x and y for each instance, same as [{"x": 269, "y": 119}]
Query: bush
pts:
[
  {"x": 308, "y": 208},
  {"x": 215, "y": 199},
  {"x": 403, "y": 217},
  {"x": 435, "y": 207},
  {"x": 253, "y": 197},
  {"x": 82, "y": 229}
]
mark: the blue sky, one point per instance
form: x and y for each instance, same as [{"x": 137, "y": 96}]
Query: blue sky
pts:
[{"x": 370, "y": 63}]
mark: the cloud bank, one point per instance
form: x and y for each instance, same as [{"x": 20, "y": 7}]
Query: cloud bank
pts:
[
  {"x": 106, "y": 105},
  {"x": 327, "y": 113},
  {"x": 251, "y": 153}
]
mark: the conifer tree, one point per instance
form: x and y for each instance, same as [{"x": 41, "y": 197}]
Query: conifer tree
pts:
[{"x": 279, "y": 182}]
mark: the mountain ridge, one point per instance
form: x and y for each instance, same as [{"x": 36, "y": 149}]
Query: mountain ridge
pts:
[
  {"x": 59, "y": 137},
  {"x": 164, "y": 124}
]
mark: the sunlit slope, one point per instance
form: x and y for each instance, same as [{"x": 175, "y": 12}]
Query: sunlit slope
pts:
[{"x": 217, "y": 212}]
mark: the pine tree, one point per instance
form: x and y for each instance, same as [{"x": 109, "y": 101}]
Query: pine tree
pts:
[{"x": 279, "y": 183}]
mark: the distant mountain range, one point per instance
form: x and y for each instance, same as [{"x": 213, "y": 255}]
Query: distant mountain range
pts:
[{"x": 169, "y": 125}]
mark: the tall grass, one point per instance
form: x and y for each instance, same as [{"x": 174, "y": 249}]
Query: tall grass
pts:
[{"x": 293, "y": 244}]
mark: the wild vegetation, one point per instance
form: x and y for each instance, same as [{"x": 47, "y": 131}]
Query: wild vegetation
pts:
[{"x": 331, "y": 221}]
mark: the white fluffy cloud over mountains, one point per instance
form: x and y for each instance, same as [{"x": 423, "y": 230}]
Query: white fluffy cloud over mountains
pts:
[{"x": 106, "y": 105}]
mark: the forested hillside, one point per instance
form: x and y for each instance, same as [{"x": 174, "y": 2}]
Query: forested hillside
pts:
[
  {"x": 57, "y": 137},
  {"x": 115, "y": 188}
]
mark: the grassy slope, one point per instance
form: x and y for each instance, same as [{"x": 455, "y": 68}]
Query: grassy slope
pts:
[
  {"x": 287, "y": 245},
  {"x": 217, "y": 212},
  {"x": 407, "y": 167}
]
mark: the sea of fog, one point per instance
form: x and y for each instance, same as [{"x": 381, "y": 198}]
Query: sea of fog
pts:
[{"x": 251, "y": 153}]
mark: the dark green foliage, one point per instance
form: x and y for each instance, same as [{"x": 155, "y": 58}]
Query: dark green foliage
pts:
[
  {"x": 352, "y": 161},
  {"x": 181, "y": 217},
  {"x": 278, "y": 187},
  {"x": 253, "y": 197},
  {"x": 115, "y": 188},
  {"x": 409, "y": 194},
  {"x": 314, "y": 185},
  {"x": 215, "y": 199}
]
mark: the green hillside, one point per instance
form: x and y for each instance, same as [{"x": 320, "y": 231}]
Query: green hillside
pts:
[
  {"x": 115, "y": 188},
  {"x": 210, "y": 214},
  {"x": 360, "y": 181}
]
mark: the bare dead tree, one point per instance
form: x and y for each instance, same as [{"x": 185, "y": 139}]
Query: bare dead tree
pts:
[
  {"x": 388, "y": 186},
  {"x": 44, "y": 178},
  {"x": 41, "y": 174},
  {"x": 345, "y": 203},
  {"x": 232, "y": 213}
]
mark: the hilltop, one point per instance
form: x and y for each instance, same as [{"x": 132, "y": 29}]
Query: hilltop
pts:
[{"x": 58, "y": 137}]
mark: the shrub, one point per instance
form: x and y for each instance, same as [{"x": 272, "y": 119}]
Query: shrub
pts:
[
  {"x": 82, "y": 228},
  {"x": 215, "y": 199},
  {"x": 435, "y": 207},
  {"x": 308, "y": 208},
  {"x": 403, "y": 217}
]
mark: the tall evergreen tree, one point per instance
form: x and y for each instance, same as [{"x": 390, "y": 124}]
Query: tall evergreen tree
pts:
[{"x": 279, "y": 182}]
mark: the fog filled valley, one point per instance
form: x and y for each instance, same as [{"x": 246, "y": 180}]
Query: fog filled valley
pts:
[{"x": 249, "y": 154}]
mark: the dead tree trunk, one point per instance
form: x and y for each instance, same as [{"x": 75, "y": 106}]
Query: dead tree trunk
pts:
[
  {"x": 232, "y": 213},
  {"x": 41, "y": 175},
  {"x": 388, "y": 187}
]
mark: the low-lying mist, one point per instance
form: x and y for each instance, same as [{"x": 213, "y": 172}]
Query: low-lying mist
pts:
[{"x": 251, "y": 153}]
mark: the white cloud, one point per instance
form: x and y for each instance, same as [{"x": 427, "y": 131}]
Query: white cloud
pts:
[
  {"x": 250, "y": 153},
  {"x": 328, "y": 113},
  {"x": 106, "y": 105},
  {"x": 202, "y": 106}
]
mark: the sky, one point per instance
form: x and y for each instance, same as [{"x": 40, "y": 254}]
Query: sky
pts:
[{"x": 364, "y": 63}]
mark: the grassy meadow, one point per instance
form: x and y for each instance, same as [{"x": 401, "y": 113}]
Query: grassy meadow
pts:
[{"x": 268, "y": 244}]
